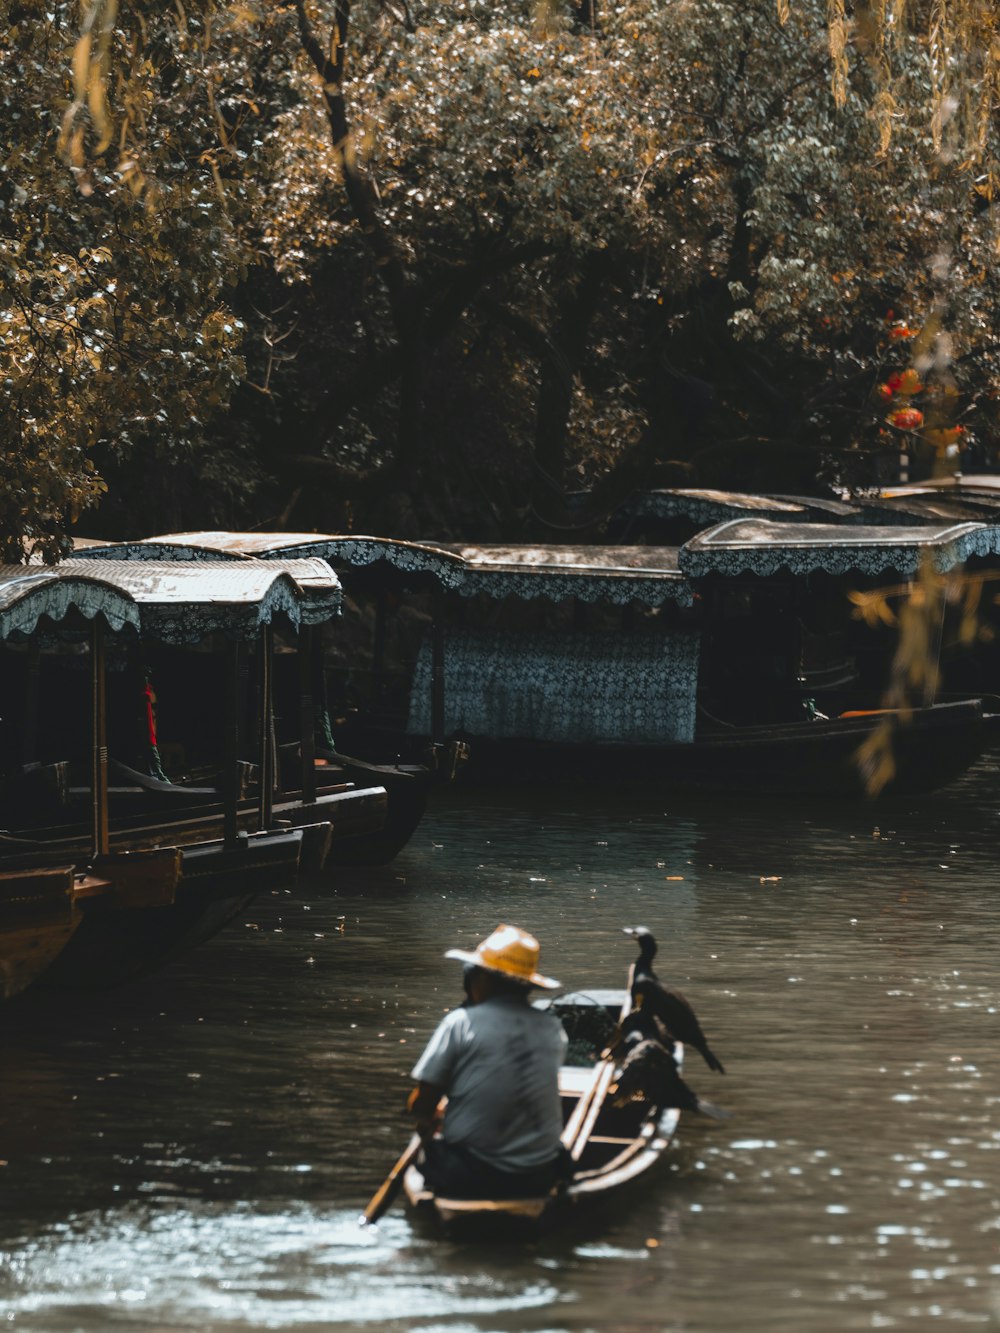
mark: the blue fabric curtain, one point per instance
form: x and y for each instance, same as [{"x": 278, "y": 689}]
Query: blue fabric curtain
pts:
[{"x": 573, "y": 686}]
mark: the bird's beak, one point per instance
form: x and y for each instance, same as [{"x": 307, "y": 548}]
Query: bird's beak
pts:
[{"x": 628, "y": 930}]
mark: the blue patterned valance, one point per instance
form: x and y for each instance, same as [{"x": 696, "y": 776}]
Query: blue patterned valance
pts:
[
  {"x": 765, "y": 548},
  {"x": 921, "y": 509},
  {"x": 555, "y": 587},
  {"x": 28, "y": 592},
  {"x": 319, "y": 594},
  {"x": 149, "y": 549},
  {"x": 614, "y": 574},
  {"x": 576, "y": 687},
  {"x": 338, "y": 551},
  {"x": 407, "y": 557},
  {"x": 182, "y": 602}
]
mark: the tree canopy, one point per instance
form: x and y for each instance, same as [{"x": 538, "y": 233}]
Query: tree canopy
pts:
[
  {"x": 121, "y": 238},
  {"x": 434, "y": 268}
]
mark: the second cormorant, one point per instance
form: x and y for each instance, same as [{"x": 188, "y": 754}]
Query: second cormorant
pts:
[{"x": 666, "y": 1002}]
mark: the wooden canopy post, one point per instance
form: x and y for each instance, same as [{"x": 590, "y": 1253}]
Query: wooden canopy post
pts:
[
  {"x": 937, "y": 638},
  {"x": 232, "y": 694},
  {"x": 322, "y": 726},
  {"x": 378, "y": 649},
  {"x": 437, "y": 672},
  {"x": 265, "y": 780},
  {"x": 99, "y": 747},
  {"x": 307, "y": 714},
  {"x": 29, "y": 732}
]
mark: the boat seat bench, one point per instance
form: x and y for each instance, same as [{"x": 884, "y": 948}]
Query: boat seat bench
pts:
[{"x": 573, "y": 1081}]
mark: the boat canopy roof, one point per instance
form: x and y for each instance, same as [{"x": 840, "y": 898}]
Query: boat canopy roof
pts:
[
  {"x": 345, "y": 552},
  {"x": 181, "y": 602},
  {"x": 982, "y": 505},
  {"x": 29, "y": 592},
  {"x": 617, "y": 574},
  {"x": 913, "y": 507},
  {"x": 975, "y": 481},
  {"x": 757, "y": 546},
  {"x": 821, "y": 507},
  {"x": 651, "y": 575},
  {"x": 707, "y": 506},
  {"x": 150, "y": 548}
]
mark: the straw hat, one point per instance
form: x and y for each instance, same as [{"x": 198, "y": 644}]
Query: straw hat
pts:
[{"x": 511, "y": 952}]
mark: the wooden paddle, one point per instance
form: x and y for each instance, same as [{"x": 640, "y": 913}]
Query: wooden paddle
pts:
[{"x": 382, "y": 1199}]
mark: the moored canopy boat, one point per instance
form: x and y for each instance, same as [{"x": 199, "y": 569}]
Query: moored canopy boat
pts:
[
  {"x": 730, "y": 663},
  {"x": 93, "y": 886},
  {"x": 612, "y": 1146},
  {"x": 299, "y": 678}
]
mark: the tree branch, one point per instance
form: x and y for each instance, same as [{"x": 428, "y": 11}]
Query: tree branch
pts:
[
  {"x": 360, "y": 190},
  {"x": 385, "y": 368}
]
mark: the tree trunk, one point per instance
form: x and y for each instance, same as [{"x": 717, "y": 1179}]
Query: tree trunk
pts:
[{"x": 568, "y": 346}]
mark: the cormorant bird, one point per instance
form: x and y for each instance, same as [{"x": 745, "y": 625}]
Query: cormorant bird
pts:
[
  {"x": 643, "y": 1024},
  {"x": 647, "y": 951},
  {"x": 637, "y": 1025},
  {"x": 666, "y": 1002},
  {"x": 649, "y": 1072}
]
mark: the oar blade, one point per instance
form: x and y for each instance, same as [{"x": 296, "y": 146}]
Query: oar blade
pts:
[{"x": 382, "y": 1199}]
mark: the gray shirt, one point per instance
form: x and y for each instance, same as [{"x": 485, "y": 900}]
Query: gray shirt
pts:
[{"x": 498, "y": 1061}]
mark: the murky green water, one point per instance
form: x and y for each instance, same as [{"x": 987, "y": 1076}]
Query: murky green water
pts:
[{"x": 193, "y": 1152}]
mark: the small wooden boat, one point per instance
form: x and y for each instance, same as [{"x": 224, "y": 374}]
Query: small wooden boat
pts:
[
  {"x": 611, "y": 1146},
  {"x": 930, "y": 747}
]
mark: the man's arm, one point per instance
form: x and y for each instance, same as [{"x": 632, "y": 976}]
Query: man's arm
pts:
[{"x": 422, "y": 1104}]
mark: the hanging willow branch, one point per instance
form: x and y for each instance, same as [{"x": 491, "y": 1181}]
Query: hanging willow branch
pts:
[
  {"x": 91, "y": 65},
  {"x": 838, "y": 37},
  {"x": 962, "y": 42},
  {"x": 916, "y": 611},
  {"x": 941, "y": 54}
]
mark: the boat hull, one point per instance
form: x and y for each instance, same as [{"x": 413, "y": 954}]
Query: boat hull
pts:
[
  {"x": 335, "y": 814},
  {"x": 69, "y": 919},
  {"x": 405, "y": 787},
  {"x": 929, "y": 749},
  {"x": 117, "y": 941},
  {"x": 38, "y": 917}
]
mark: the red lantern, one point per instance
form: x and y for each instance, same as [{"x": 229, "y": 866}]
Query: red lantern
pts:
[{"x": 907, "y": 418}]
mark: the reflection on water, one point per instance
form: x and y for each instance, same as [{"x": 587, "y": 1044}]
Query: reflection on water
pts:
[
  {"x": 180, "y": 1267},
  {"x": 193, "y": 1152}
]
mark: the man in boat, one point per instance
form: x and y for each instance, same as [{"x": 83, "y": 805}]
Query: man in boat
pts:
[{"x": 496, "y": 1059}]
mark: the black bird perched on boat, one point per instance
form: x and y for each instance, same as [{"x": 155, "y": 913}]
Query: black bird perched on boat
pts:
[
  {"x": 640, "y": 1025},
  {"x": 666, "y": 1002},
  {"x": 637, "y": 1025},
  {"x": 649, "y": 1073},
  {"x": 647, "y": 951}
]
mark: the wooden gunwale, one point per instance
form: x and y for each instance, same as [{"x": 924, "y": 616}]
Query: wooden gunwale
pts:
[{"x": 181, "y": 827}]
